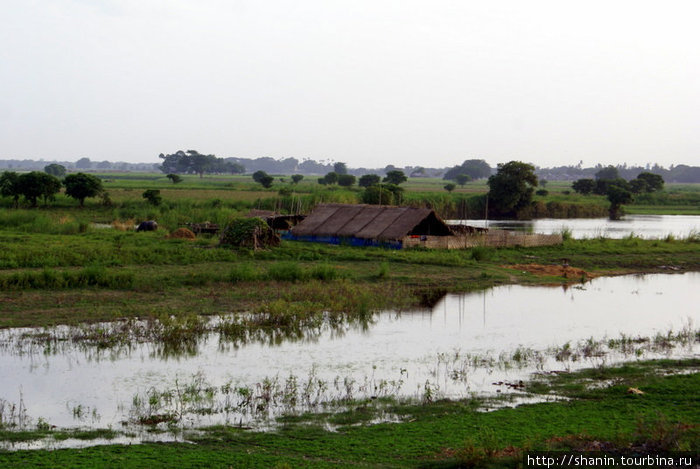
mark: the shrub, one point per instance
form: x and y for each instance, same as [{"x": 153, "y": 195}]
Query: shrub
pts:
[
  {"x": 153, "y": 196},
  {"x": 248, "y": 232}
]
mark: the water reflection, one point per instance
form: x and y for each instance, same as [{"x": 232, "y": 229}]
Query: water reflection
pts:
[
  {"x": 644, "y": 226},
  {"x": 462, "y": 345}
]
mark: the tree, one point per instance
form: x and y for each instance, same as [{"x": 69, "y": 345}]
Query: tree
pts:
[
  {"x": 346, "y": 180},
  {"x": 178, "y": 162},
  {"x": 378, "y": 195},
  {"x": 81, "y": 186},
  {"x": 9, "y": 186},
  {"x": 201, "y": 163},
  {"x": 609, "y": 172},
  {"x": 395, "y": 177},
  {"x": 369, "y": 180},
  {"x": 83, "y": 163},
  {"x": 259, "y": 175},
  {"x": 192, "y": 161},
  {"x": 583, "y": 186},
  {"x": 266, "y": 181},
  {"x": 296, "y": 178},
  {"x": 654, "y": 182},
  {"x": 340, "y": 168},
  {"x": 477, "y": 169},
  {"x": 231, "y": 167},
  {"x": 38, "y": 184},
  {"x": 152, "y": 196},
  {"x": 174, "y": 178},
  {"x": 511, "y": 188},
  {"x": 418, "y": 172},
  {"x": 330, "y": 178},
  {"x": 462, "y": 179},
  {"x": 450, "y": 187},
  {"x": 618, "y": 195},
  {"x": 55, "y": 170},
  {"x": 638, "y": 186},
  {"x": 602, "y": 185}
]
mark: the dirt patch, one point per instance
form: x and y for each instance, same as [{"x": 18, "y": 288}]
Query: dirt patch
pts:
[{"x": 556, "y": 270}]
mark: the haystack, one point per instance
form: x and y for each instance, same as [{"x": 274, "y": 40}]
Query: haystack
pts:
[
  {"x": 252, "y": 233},
  {"x": 182, "y": 233}
]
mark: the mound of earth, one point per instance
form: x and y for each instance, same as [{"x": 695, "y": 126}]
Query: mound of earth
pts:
[{"x": 555, "y": 270}]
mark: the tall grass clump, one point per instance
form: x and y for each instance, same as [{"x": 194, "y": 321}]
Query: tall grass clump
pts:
[
  {"x": 287, "y": 271},
  {"x": 566, "y": 233},
  {"x": 32, "y": 221},
  {"x": 48, "y": 279},
  {"x": 324, "y": 272},
  {"x": 481, "y": 253},
  {"x": 243, "y": 272},
  {"x": 383, "y": 271}
]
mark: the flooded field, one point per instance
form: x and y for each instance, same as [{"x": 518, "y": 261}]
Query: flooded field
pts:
[
  {"x": 643, "y": 226},
  {"x": 480, "y": 343}
]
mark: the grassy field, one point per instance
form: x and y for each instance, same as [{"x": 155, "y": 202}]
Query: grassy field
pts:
[
  {"x": 217, "y": 198},
  {"x": 103, "y": 274},
  {"x": 56, "y": 267},
  {"x": 440, "y": 434}
]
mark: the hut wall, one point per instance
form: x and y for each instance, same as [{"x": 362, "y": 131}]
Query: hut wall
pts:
[{"x": 495, "y": 238}]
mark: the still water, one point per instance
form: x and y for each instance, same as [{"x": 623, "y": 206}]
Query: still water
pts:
[
  {"x": 459, "y": 347},
  {"x": 644, "y": 226}
]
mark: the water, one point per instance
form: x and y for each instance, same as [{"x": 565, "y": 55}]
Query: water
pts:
[
  {"x": 644, "y": 226},
  {"x": 460, "y": 347}
]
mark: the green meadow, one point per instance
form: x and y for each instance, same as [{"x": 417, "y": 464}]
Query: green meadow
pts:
[{"x": 62, "y": 264}]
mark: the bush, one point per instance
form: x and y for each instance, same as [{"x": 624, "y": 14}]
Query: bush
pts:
[
  {"x": 153, "y": 196},
  {"x": 248, "y": 232}
]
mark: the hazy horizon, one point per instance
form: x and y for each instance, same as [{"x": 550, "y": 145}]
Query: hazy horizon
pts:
[{"x": 399, "y": 82}]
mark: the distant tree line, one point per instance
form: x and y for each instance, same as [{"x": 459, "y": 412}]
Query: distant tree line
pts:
[
  {"x": 188, "y": 162},
  {"x": 193, "y": 162},
  {"x": 618, "y": 190}
]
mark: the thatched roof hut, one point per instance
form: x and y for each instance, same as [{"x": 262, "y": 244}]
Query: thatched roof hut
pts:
[{"x": 369, "y": 222}]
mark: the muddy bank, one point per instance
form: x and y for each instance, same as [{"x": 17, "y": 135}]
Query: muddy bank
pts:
[{"x": 565, "y": 271}]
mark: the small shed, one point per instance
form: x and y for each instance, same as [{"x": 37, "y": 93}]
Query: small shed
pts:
[{"x": 368, "y": 225}]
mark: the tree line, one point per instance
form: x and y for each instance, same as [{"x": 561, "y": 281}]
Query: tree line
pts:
[
  {"x": 37, "y": 185},
  {"x": 618, "y": 190},
  {"x": 193, "y": 162}
]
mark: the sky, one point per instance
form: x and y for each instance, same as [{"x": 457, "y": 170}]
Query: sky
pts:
[{"x": 369, "y": 83}]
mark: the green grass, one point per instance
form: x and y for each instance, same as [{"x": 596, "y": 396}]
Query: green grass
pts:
[
  {"x": 441, "y": 434},
  {"x": 106, "y": 274}
]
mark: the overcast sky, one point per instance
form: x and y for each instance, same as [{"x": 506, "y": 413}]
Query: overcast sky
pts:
[{"x": 370, "y": 83}]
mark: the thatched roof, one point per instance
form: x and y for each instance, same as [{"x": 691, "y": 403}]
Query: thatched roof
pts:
[
  {"x": 276, "y": 220},
  {"x": 370, "y": 222}
]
